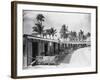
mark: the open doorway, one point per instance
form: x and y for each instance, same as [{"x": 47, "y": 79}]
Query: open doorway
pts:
[{"x": 34, "y": 52}]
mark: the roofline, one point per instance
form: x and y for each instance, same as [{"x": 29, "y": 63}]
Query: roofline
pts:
[{"x": 40, "y": 38}]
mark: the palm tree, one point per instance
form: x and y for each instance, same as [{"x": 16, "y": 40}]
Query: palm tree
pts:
[
  {"x": 81, "y": 33},
  {"x": 70, "y": 36},
  {"x": 48, "y": 32},
  {"x": 53, "y": 32},
  {"x": 40, "y": 18},
  {"x": 84, "y": 37},
  {"x": 38, "y": 26},
  {"x": 88, "y": 34},
  {"x": 74, "y": 36},
  {"x": 63, "y": 31}
]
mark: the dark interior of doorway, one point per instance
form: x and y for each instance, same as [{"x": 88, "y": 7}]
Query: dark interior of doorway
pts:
[{"x": 34, "y": 51}]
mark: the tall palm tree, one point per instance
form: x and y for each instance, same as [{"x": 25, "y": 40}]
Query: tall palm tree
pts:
[
  {"x": 74, "y": 35},
  {"x": 81, "y": 33},
  {"x": 38, "y": 26},
  {"x": 63, "y": 31},
  {"x": 40, "y": 18},
  {"x": 70, "y": 36}
]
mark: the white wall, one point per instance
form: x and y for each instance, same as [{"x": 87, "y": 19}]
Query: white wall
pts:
[{"x": 5, "y": 40}]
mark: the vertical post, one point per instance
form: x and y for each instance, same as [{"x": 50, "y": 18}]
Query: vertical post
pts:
[
  {"x": 27, "y": 51},
  {"x": 54, "y": 47}
]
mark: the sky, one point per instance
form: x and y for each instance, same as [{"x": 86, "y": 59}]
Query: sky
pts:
[{"x": 74, "y": 21}]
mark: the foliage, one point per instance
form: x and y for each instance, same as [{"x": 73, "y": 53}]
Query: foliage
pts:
[
  {"x": 38, "y": 26},
  {"x": 51, "y": 32},
  {"x": 40, "y": 18},
  {"x": 63, "y": 31}
]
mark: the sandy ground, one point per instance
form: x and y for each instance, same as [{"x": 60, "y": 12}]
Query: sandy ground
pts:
[{"x": 79, "y": 58}]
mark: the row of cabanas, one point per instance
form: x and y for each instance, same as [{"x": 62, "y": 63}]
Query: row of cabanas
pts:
[{"x": 36, "y": 46}]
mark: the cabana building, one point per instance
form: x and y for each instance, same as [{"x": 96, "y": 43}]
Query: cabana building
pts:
[{"x": 36, "y": 46}]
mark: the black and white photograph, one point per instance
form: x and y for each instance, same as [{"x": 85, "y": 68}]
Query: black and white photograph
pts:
[
  {"x": 56, "y": 39},
  {"x": 53, "y": 39}
]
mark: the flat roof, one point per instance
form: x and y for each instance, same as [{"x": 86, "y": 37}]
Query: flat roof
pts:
[
  {"x": 57, "y": 41},
  {"x": 44, "y": 39}
]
